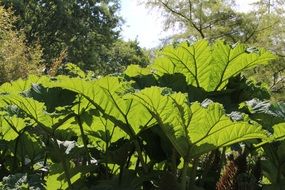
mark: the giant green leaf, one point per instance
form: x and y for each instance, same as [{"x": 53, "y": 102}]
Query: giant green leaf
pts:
[
  {"x": 232, "y": 60},
  {"x": 32, "y": 108},
  {"x": 21, "y": 85},
  {"x": 57, "y": 177},
  {"x": 170, "y": 112},
  {"x": 211, "y": 128},
  {"x": 103, "y": 130},
  {"x": 10, "y": 127},
  {"x": 36, "y": 111},
  {"x": 279, "y": 131},
  {"x": 53, "y": 98},
  {"x": 107, "y": 95},
  {"x": 194, "y": 129},
  {"x": 136, "y": 70},
  {"x": 209, "y": 66}
]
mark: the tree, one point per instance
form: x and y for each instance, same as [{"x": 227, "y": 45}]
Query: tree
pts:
[
  {"x": 124, "y": 53},
  {"x": 270, "y": 15},
  {"x": 16, "y": 58},
  {"x": 262, "y": 26},
  {"x": 118, "y": 57},
  {"x": 200, "y": 19},
  {"x": 86, "y": 29}
]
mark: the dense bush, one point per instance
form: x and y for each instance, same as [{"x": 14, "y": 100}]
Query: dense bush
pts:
[{"x": 16, "y": 58}]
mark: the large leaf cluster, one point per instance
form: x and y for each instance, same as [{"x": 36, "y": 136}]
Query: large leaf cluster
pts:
[{"x": 139, "y": 128}]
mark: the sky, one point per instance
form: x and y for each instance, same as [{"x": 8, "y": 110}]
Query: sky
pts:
[{"x": 147, "y": 26}]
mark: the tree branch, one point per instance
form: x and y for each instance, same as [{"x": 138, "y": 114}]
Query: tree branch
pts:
[
  {"x": 184, "y": 17},
  {"x": 257, "y": 31}
]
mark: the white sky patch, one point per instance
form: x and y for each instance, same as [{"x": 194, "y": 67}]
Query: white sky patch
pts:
[
  {"x": 244, "y": 5},
  {"x": 147, "y": 26},
  {"x": 141, "y": 24}
]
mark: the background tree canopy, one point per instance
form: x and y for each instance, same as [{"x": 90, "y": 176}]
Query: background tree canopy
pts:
[{"x": 86, "y": 29}]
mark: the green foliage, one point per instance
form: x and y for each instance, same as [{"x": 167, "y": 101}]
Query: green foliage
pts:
[
  {"x": 20, "y": 181},
  {"x": 141, "y": 129}
]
